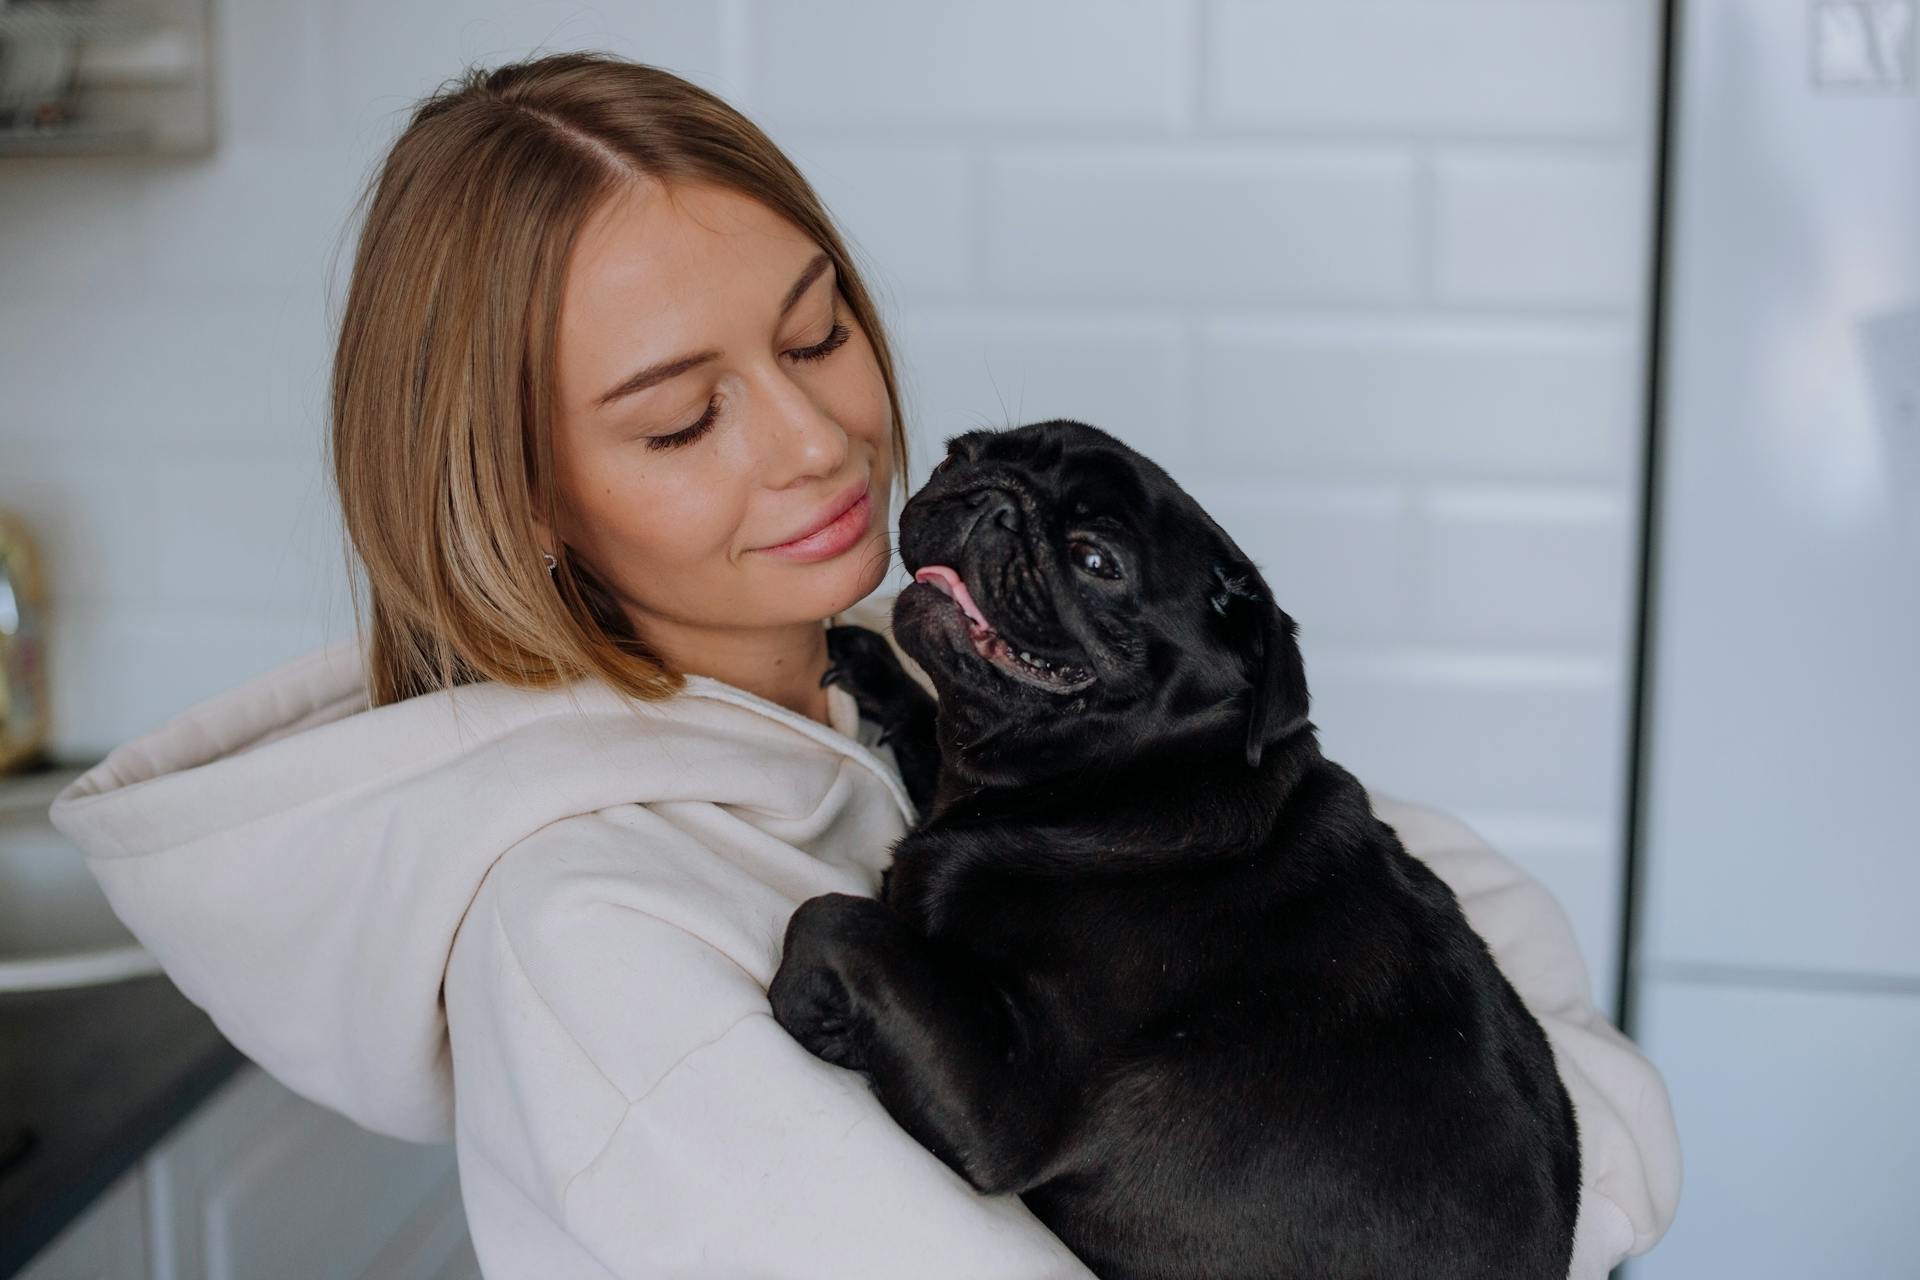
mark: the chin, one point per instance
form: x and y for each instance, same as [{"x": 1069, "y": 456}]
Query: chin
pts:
[{"x": 849, "y": 578}]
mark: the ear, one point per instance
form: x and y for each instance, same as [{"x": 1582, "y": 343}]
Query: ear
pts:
[{"x": 1265, "y": 636}]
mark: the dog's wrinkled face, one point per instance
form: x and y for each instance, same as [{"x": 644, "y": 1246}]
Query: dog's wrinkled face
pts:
[{"x": 1070, "y": 601}]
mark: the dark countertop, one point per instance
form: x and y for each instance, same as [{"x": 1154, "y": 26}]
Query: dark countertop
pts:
[{"x": 90, "y": 1079}]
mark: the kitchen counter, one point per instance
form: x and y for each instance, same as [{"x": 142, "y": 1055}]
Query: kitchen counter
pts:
[{"x": 90, "y": 1079}]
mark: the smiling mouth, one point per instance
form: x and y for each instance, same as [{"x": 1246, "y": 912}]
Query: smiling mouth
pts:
[{"x": 989, "y": 644}]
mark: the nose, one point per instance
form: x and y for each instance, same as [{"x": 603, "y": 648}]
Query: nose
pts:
[
  {"x": 806, "y": 441},
  {"x": 996, "y": 505}
]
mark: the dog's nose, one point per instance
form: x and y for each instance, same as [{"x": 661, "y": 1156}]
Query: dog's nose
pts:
[
  {"x": 992, "y": 504},
  {"x": 995, "y": 505}
]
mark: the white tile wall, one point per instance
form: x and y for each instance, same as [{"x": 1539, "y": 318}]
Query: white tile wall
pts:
[
  {"x": 990, "y": 368},
  {"x": 883, "y": 66},
  {"x": 1508, "y": 67},
  {"x": 1526, "y": 228},
  {"x": 1420, "y": 398},
  {"x": 1203, "y": 225},
  {"x": 1339, "y": 555},
  {"x": 1478, "y": 729},
  {"x": 1537, "y": 564},
  {"x": 1368, "y": 275},
  {"x": 907, "y": 211}
]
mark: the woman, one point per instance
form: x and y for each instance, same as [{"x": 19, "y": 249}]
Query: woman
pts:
[{"x": 615, "y": 429}]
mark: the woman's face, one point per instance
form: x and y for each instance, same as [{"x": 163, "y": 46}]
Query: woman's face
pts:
[{"x": 722, "y": 439}]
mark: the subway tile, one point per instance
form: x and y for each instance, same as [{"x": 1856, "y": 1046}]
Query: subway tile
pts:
[
  {"x": 146, "y": 528},
  {"x": 1541, "y": 228},
  {"x": 1419, "y": 398},
  {"x": 248, "y": 368},
  {"x": 1336, "y": 557},
  {"x": 253, "y": 533},
  {"x": 1519, "y": 67},
  {"x": 905, "y": 210},
  {"x": 251, "y": 216},
  {"x": 380, "y": 58},
  {"x": 1473, "y": 731},
  {"x": 92, "y": 513},
  {"x": 70, "y": 228},
  {"x": 874, "y": 65},
  {"x": 272, "y": 86},
  {"x": 968, "y": 369},
  {"x": 1215, "y": 225},
  {"x": 1533, "y": 564},
  {"x": 117, "y": 672}
]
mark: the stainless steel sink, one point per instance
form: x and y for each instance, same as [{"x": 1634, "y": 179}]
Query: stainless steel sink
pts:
[{"x": 56, "y": 929}]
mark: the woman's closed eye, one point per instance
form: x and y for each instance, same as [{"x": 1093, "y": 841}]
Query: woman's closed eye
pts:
[{"x": 835, "y": 339}]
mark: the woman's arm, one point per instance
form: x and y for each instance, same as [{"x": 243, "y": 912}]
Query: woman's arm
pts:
[
  {"x": 615, "y": 1056},
  {"x": 1629, "y": 1149}
]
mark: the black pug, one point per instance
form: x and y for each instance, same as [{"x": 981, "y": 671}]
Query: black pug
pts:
[{"x": 1150, "y": 960}]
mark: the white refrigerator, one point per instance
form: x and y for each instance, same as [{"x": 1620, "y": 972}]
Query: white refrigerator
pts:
[{"x": 1776, "y": 959}]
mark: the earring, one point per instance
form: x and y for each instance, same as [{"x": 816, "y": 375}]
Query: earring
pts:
[{"x": 552, "y": 564}]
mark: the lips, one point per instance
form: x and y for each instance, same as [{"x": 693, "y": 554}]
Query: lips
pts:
[
  {"x": 840, "y": 507},
  {"x": 852, "y": 512}
]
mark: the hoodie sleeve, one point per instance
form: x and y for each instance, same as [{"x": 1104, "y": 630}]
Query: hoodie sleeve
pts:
[
  {"x": 1629, "y": 1148},
  {"x": 616, "y": 1060}
]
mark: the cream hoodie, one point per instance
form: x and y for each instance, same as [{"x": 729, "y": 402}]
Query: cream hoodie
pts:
[{"x": 542, "y": 924}]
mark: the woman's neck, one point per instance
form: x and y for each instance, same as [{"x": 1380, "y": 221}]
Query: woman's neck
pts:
[{"x": 781, "y": 664}]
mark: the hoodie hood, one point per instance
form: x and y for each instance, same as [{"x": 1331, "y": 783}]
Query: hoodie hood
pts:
[{"x": 299, "y": 862}]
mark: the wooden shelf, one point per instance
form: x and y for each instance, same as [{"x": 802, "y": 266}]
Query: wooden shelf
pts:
[
  {"x": 144, "y": 79},
  {"x": 75, "y": 141}
]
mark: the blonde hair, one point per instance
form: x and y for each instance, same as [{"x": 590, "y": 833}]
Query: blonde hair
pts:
[{"x": 442, "y": 390}]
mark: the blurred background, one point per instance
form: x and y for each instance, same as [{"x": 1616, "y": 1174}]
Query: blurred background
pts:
[{"x": 1557, "y": 360}]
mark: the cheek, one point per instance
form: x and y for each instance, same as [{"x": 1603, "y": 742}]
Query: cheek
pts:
[
  {"x": 664, "y": 515},
  {"x": 692, "y": 511},
  {"x": 860, "y": 396}
]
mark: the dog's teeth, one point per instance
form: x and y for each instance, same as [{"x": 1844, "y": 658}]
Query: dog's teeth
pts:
[{"x": 1025, "y": 656}]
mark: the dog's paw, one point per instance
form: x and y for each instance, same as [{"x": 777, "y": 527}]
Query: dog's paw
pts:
[
  {"x": 813, "y": 1005},
  {"x": 809, "y": 993},
  {"x": 865, "y": 665}
]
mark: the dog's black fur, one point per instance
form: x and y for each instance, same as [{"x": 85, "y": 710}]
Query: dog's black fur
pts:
[{"x": 1150, "y": 960}]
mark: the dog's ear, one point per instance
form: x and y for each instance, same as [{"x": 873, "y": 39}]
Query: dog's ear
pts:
[{"x": 1258, "y": 628}]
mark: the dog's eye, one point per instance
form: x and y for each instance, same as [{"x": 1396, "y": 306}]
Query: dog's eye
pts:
[
  {"x": 1091, "y": 559},
  {"x": 940, "y": 466}
]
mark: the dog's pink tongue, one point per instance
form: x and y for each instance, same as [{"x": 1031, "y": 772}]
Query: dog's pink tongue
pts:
[{"x": 941, "y": 578}]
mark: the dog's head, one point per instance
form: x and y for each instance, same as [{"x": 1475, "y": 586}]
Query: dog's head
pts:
[{"x": 1072, "y": 603}]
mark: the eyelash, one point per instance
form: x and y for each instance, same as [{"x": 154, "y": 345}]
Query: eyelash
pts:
[{"x": 835, "y": 338}]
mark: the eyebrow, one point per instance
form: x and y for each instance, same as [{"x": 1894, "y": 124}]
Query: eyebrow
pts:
[{"x": 657, "y": 373}]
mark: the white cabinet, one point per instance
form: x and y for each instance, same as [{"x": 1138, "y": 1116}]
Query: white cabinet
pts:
[
  {"x": 1778, "y": 970},
  {"x": 1780, "y": 832},
  {"x": 260, "y": 1184},
  {"x": 1797, "y": 1119}
]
